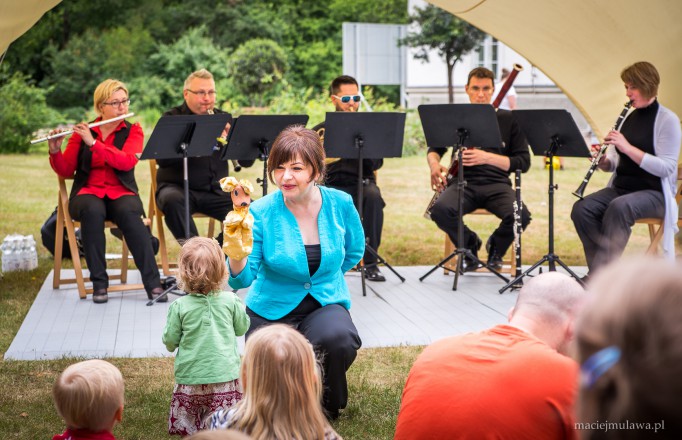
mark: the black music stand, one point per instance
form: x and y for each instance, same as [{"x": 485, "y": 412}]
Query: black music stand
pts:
[
  {"x": 251, "y": 137},
  {"x": 360, "y": 136},
  {"x": 460, "y": 126},
  {"x": 557, "y": 129},
  {"x": 181, "y": 137}
]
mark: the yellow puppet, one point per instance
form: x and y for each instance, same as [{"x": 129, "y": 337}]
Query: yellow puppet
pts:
[{"x": 238, "y": 224}]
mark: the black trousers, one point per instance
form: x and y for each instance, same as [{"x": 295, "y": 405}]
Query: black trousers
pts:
[
  {"x": 604, "y": 221},
  {"x": 171, "y": 201},
  {"x": 332, "y": 333},
  {"x": 127, "y": 213},
  {"x": 372, "y": 213},
  {"x": 498, "y": 198}
]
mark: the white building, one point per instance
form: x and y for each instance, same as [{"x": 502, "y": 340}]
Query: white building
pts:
[{"x": 426, "y": 83}]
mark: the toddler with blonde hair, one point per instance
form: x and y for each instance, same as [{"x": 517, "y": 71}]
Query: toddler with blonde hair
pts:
[
  {"x": 89, "y": 397},
  {"x": 203, "y": 326}
]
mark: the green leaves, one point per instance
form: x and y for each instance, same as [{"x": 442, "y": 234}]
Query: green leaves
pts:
[{"x": 256, "y": 67}]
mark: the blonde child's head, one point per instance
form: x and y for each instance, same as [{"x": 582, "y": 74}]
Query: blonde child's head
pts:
[
  {"x": 89, "y": 395},
  {"x": 282, "y": 386},
  {"x": 201, "y": 266}
]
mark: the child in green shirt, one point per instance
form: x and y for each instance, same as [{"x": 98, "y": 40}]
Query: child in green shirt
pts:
[{"x": 203, "y": 326}]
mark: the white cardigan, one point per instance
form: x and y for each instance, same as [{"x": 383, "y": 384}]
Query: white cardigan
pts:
[{"x": 667, "y": 140}]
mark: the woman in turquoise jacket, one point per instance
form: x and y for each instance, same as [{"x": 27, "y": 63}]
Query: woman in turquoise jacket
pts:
[{"x": 305, "y": 237}]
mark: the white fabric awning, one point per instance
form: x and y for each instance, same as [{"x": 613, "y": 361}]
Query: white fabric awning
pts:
[
  {"x": 18, "y": 16},
  {"x": 583, "y": 45}
]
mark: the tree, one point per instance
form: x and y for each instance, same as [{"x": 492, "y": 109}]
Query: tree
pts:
[
  {"x": 256, "y": 67},
  {"x": 450, "y": 36},
  {"x": 22, "y": 112}
]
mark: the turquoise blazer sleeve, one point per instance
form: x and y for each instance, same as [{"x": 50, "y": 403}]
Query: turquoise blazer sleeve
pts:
[{"x": 277, "y": 269}]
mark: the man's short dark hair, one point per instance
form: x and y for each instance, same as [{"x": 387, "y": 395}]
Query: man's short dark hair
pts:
[
  {"x": 481, "y": 72},
  {"x": 339, "y": 81}
]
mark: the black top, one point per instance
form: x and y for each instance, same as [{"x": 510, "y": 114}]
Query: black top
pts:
[
  {"x": 204, "y": 173},
  {"x": 638, "y": 129},
  {"x": 514, "y": 145},
  {"x": 344, "y": 172},
  {"x": 314, "y": 254}
]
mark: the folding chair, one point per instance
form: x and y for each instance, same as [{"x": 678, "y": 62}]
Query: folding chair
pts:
[{"x": 64, "y": 220}]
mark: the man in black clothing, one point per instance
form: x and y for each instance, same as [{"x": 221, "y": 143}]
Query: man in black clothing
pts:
[
  {"x": 204, "y": 173},
  {"x": 342, "y": 174},
  {"x": 487, "y": 176}
]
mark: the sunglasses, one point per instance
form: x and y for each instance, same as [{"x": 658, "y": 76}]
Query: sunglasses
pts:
[{"x": 346, "y": 98}]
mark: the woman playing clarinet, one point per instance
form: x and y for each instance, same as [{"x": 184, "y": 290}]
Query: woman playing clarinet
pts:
[{"x": 642, "y": 155}]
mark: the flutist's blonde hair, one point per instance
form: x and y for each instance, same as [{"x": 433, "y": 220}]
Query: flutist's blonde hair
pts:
[
  {"x": 104, "y": 91},
  {"x": 201, "y": 73}
]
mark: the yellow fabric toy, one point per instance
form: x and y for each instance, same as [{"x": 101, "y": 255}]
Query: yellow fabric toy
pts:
[{"x": 238, "y": 224}]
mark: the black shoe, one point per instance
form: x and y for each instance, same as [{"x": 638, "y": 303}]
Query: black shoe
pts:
[
  {"x": 155, "y": 293},
  {"x": 474, "y": 244},
  {"x": 372, "y": 273},
  {"x": 494, "y": 258},
  {"x": 100, "y": 296}
]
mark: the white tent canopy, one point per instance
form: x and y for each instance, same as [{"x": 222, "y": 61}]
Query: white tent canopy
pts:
[
  {"x": 583, "y": 45},
  {"x": 17, "y": 17}
]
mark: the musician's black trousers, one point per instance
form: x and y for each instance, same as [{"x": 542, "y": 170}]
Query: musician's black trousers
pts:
[
  {"x": 498, "y": 198},
  {"x": 127, "y": 213},
  {"x": 332, "y": 333},
  {"x": 372, "y": 213},
  {"x": 604, "y": 221},
  {"x": 171, "y": 201}
]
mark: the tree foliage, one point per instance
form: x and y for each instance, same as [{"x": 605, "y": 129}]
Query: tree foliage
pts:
[
  {"x": 450, "y": 36},
  {"x": 256, "y": 67},
  {"x": 22, "y": 112}
]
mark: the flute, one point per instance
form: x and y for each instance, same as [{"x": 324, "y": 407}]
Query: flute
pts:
[{"x": 93, "y": 125}]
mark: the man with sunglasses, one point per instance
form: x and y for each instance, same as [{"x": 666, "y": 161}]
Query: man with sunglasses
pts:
[
  {"x": 342, "y": 174},
  {"x": 487, "y": 176},
  {"x": 204, "y": 173}
]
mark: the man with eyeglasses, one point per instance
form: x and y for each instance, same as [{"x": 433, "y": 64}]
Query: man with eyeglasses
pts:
[
  {"x": 342, "y": 174},
  {"x": 487, "y": 176},
  {"x": 204, "y": 173}
]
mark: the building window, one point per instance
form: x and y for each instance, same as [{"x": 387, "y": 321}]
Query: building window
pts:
[{"x": 488, "y": 54}]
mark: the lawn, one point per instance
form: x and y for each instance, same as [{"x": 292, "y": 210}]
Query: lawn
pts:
[{"x": 376, "y": 378}]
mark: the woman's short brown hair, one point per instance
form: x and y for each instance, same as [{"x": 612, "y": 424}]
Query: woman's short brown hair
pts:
[
  {"x": 201, "y": 266},
  {"x": 294, "y": 142},
  {"x": 644, "y": 77}
]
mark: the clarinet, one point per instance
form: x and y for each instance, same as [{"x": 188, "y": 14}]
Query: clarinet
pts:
[
  {"x": 518, "y": 228},
  {"x": 602, "y": 150},
  {"x": 449, "y": 178}
]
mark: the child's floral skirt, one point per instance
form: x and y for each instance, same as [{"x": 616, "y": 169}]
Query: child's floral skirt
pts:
[{"x": 192, "y": 404}]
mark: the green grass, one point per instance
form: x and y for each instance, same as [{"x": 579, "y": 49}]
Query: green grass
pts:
[{"x": 375, "y": 379}]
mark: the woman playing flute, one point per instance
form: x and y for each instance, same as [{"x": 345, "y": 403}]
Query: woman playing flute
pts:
[{"x": 101, "y": 161}]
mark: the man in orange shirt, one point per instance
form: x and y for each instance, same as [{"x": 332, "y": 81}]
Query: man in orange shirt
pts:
[{"x": 510, "y": 381}]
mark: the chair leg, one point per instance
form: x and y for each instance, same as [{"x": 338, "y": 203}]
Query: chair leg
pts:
[{"x": 124, "y": 262}]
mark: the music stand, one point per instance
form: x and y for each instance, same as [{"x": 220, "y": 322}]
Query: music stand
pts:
[
  {"x": 184, "y": 136},
  {"x": 557, "y": 129},
  {"x": 461, "y": 126},
  {"x": 251, "y": 137},
  {"x": 360, "y": 136}
]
